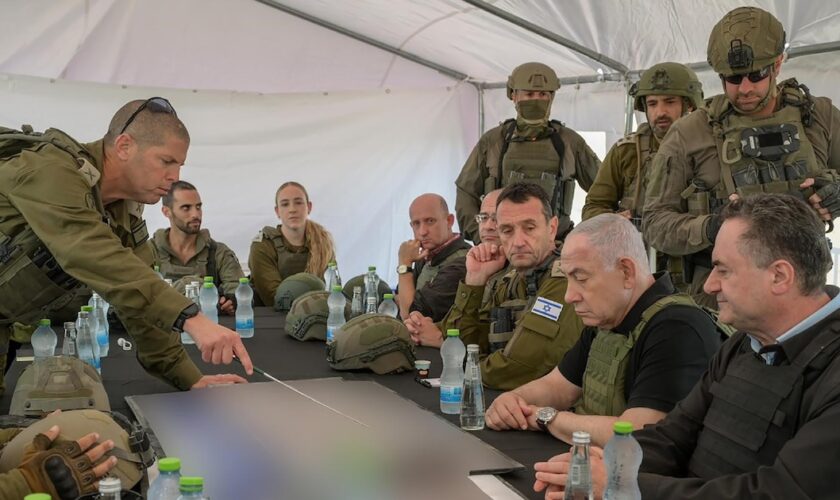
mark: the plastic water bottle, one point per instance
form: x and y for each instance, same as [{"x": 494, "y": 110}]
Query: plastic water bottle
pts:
[
  {"x": 371, "y": 305},
  {"x": 86, "y": 344},
  {"x": 331, "y": 276},
  {"x": 157, "y": 271},
  {"x": 388, "y": 306},
  {"x": 68, "y": 347},
  {"x": 357, "y": 306},
  {"x": 622, "y": 456},
  {"x": 101, "y": 331},
  {"x": 579, "y": 479},
  {"x": 472, "y": 404},
  {"x": 105, "y": 306},
  {"x": 167, "y": 485},
  {"x": 372, "y": 285},
  {"x": 191, "y": 292},
  {"x": 192, "y": 488},
  {"x": 244, "y": 309},
  {"x": 44, "y": 341},
  {"x": 208, "y": 299},
  {"x": 452, "y": 378},
  {"x": 337, "y": 302},
  {"x": 110, "y": 488}
]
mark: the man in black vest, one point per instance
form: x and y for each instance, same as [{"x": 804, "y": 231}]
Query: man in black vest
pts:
[{"x": 762, "y": 422}]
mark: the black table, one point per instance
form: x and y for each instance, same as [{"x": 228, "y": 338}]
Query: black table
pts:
[{"x": 288, "y": 359}]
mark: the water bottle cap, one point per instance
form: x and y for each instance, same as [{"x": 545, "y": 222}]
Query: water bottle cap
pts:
[
  {"x": 191, "y": 484},
  {"x": 37, "y": 496},
  {"x": 208, "y": 284},
  {"x": 44, "y": 322},
  {"x": 357, "y": 289},
  {"x": 208, "y": 279},
  {"x": 169, "y": 464},
  {"x": 69, "y": 324},
  {"x": 110, "y": 484},
  {"x": 580, "y": 437},
  {"x": 453, "y": 332},
  {"x": 87, "y": 308},
  {"x": 157, "y": 268},
  {"x": 332, "y": 264},
  {"x": 623, "y": 427},
  {"x": 244, "y": 281},
  {"x": 336, "y": 288},
  {"x": 472, "y": 347},
  {"x": 371, "y": 268},
  {"x": 388, "y": 296}
]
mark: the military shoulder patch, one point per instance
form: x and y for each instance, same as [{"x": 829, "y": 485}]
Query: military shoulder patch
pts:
[
  {"x": 547, "y": 308},
  {"x": 88, "y": 171},
  {"x": 556, "y": 272},
  {"x": 627, "y": 139}
]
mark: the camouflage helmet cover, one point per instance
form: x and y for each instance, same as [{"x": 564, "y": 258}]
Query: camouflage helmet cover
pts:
[
  {"x": 307, "y": 318},
  {"x": 747, "y": 39},
  {"x": 532, "y": 76},
  {"x": 58, "y": 383},
  {"x": 293, "y": 287},
  {"x": 75, "y": 424},
  {"x": 372, "y": 341},
  {"x": 668, "y": 78}
]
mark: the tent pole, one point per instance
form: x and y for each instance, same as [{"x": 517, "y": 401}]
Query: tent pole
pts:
[
  {"x": 628, "y": 114},
  {"x": 480, "y": 87}
]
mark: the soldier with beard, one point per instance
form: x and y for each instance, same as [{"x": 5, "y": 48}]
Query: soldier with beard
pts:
[
  {"x": 185, "y": 252},
  {"x": 530, "y": 148}
]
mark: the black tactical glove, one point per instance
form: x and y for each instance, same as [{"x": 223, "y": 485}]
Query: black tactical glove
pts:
[
  {"x": 59, "y": 468},
  {"x": 713, "y": 227},
  {"x": 828, "y": 189}
]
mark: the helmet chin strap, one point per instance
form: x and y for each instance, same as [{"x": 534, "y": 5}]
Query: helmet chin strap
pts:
[{"x": 771, "y": 95}]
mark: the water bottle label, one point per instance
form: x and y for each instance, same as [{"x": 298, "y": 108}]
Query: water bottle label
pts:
[
  {"x": 575, "y": 474},
  {"x": 330, "y": 334},
  {"x": 245, "y": 324},
  {"x": 102, "y": 338},
  {"x": 450, "y": 394}
]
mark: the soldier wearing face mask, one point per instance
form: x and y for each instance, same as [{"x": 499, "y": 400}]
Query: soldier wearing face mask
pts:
[{"x": 530, "y": 148}]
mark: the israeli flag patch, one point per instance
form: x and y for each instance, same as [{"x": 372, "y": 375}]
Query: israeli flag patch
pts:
[{"x": 547, "y": 308}]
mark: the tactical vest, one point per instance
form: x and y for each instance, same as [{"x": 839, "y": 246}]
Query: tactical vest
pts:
[
  {"x": 32, "y": 283},
  {"x": 288, "y": 263},
  {"x": 429, "y": 271},
  {"x": 505, "y": 317},
  {"x": 606, "y": 367},
  {"x": 770, "y": 155},
  {"x": 756, "y": 408},
  {"x": 539, "y": 160},
  {"x": 205, "y": 264}
]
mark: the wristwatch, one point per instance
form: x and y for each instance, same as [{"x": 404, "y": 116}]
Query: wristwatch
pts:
[
  {"x": 544, "y": 417},
  {"x": 403, "y": 269},
  {"x": 190, "y": 311}
]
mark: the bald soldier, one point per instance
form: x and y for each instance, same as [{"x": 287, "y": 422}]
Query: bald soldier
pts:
[
  {"x": 431, "y": 264},
  {"x": 530, "y": 148},
  {"x": 425, "y": 331},
  {"x": 71, "y": 220}
]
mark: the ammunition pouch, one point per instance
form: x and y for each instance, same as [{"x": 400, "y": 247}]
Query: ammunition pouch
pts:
[
  {"x": 503, "y": 321},
  {"x": 699, "y": 259}
]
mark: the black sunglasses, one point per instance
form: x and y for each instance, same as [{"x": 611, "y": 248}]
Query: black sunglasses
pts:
[
  {"x": 755, "y": 76},
  {"x": 153, "y": 104}
]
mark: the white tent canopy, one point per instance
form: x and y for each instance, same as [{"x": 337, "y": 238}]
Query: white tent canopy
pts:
[{"x": 367, "y": 102}]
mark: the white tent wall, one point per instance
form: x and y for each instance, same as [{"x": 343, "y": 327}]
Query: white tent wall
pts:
[{"x": 363, "y": 156}]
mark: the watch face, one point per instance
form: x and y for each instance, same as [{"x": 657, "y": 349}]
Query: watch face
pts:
[{"x": 545, "y": 414}]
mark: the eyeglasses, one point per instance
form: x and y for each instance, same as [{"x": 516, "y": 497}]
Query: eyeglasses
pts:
[
  {"x": 754, "y": 77},
  {"x": 484, "y": 217},
  {"x": 153, "y": 104}
]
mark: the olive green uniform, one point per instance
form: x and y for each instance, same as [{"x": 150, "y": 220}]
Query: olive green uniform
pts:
[
  {"x": 45, "y": 191},
  {"x": 272, "y": 258},
  {"x": 226, "y": 269},
  {"x": 12, "y": 483},
  {"x": 528, "y": 158},
  {"x": 617, "y": 187},
  {"x": 537, "y": 343},
  {"x": 686, "y": 184}
]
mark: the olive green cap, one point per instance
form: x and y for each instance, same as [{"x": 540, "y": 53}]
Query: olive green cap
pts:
[
  {"x": 388, "y": 296},
  {"x": 87, "y": 308},
  {"x": 623, "y": 427},
  {"x": 746, "y": 39},
  {"x": 668, "y": 78},
  {"x": 208, "y": 284},
  {"x": 44, "y": 322},
  {"x": 532, "y": 76},
  {"x": 37, "y": 496},
  {"x": 453, "y": 332},
  {"x": 169, "y": 464},
  {"x": 244, "y": 281},
  {"x": 337, "y": 288},
  {"x": 208, "y": 279}
]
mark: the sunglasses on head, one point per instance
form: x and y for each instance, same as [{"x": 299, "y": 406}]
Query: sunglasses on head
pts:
[
  {"x": 754, "y": 77},
  {"x": 153, "y": 104}
]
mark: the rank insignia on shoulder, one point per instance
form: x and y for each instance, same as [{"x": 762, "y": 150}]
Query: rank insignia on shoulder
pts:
[
  {"x": 556, "y": 272},
  {"x": 547, "y": 308}
]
